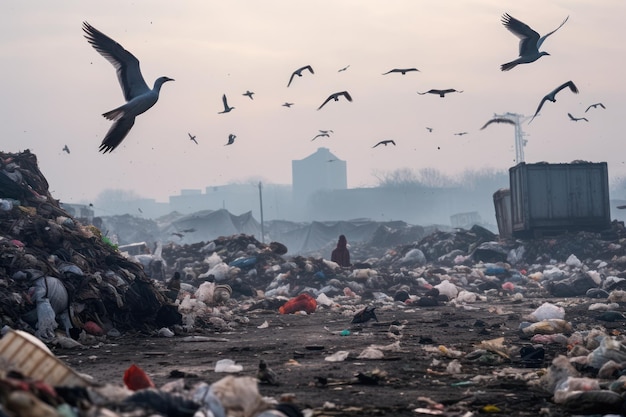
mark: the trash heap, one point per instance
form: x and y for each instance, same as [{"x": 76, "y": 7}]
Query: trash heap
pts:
[
  {"x": 42, "y": 245},
  {"x": 220, "y": 285}
]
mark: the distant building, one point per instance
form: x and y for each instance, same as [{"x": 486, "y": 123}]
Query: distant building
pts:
[
  {"x": 236, "y": 198},
  {"x": 79, "y": 211},
  {"x": 320, "y": 171}
]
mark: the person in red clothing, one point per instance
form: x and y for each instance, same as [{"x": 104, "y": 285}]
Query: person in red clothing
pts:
[{"x": 340, "y": 254}]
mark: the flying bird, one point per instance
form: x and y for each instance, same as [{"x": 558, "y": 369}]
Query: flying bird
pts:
[
  {"x": 551, "y": 96},
  {"x": 321, "y": 135},
  {"x": 441, "y": 93},
  {"x": 594, "y": 106},
  {"x": 139, "y": 97},
  {"x": 575, "y": 119},
  {"x": 529, "y": 43},
  {"x": 335, "y": 96},
  {"x": 227, "y": 108},
  {"x": 249, "y": 94},
  {"x": 285, "y": 104},
  {"x": 66, "y": 149},
  {"x": 430, "y": 129},
  {"x": 385, "y": 142},
  {"x": 498, "y": 120},
  {"x": 460, "y": 133},
  {"x": 402, "y": 71},
  {"x": 231, "y": 139},
  {"x": 193, "y": 138},
  {"x": 298, "y": 72},
  {"x": 344, "y": 68},
  {"x": 326, "y": 131}
]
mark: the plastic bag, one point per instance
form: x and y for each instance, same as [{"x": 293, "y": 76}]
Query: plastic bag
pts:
[
  {"x": 136, "y": 379},
  {"x": 46, "y": 319},
  {"x": 302, "y": 302}
]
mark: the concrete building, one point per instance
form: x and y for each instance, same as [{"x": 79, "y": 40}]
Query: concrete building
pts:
[{"x": 320, "y": 171}]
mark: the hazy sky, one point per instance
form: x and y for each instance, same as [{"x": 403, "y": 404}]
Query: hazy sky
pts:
[{"x": 56, "y": 86}]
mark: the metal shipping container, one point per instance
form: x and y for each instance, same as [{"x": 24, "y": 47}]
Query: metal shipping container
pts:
[
  {"x": 502, "y": 205},
  {"x": 556, "y": 198}
]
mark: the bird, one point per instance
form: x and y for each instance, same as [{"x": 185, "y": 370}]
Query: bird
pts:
[
  {"x": 595, "y": 106},
  {"x": 66, "y": 149},
  {"x": 249, "y": 94},
  {"x": 575, "y": 119},
  {"x": 385, "y": 142},
  {"x": 326, "y": 131},
  {"x": 298, "y": 72},
  {"x": 460, "y": 133},
  {"x": 227, "y": 108},
  {"x": 529, "y": 43},
  {"x": 441, "y": 93},
  {"x": 231, "y": 139},
  {"x": 265, "y": 375},
  {"x": 498, "y": 120},
  {"x": 365, "y": 315},
  {"x": 335, "y": 96},
  {"x": 193, "y": 138},
  {"x": 551, "y": 96},
  {"x": 402, "y": 71},
  {"x": 286, "y": 104},
  {"x": 139, "y": 97},
  {"x": 344, "y": 68},
  {"x": 320, "y": 135},
  {"x": 430, "y": 129}
]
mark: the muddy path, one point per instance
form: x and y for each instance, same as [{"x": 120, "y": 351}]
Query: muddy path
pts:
[{"x": 295, "y": 348}]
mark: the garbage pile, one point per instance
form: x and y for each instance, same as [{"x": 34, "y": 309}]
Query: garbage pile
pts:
[{"x": 55, "y": 269}]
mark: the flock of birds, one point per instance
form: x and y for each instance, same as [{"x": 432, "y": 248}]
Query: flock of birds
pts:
[{"x": 140, "y": 98}]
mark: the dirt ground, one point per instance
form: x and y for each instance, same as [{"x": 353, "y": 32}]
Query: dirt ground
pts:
[{"x": 295, "y": 346}]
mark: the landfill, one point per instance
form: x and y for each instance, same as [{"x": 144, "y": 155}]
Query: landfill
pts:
[{"x": 454, "y": 323}]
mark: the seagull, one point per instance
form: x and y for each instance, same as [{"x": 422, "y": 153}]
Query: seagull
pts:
[
  {"x": 595, "y": 106},
  {"x": 430, "y": 129},
  {"x": 193, "y": 138},
  {"x": 249, "y": 94},
  {"x": 231, "y": 139},
  {"x": 498, "y": 120},
  {"x": 320, "y": 135},
  {"x": 298, "y": 72},
  {"x": 460, "y": 133},
  {"x": 385, "y": 142},
  {"x": 402, "y": 71},
  {"x": 285, "y": 104},
  {"x": 529, "y": 43},
  {"x": 66, "y": 149},
  {"x": 441, "y": 93},
  {"x": 335, "y": 96},
  {"x": 227, "y": 108},
  {"x": 551, "y": 96},
  {"x": 575, "y": 119},
  {"x": 344, "y": 68},
  {"x": 139, "y": 97}
]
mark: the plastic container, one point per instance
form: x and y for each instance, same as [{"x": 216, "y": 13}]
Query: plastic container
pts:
[{"x": 28, "y": 355}]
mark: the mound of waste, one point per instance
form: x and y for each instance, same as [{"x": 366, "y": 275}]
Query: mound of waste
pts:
[{"x": 49, "y": 261}]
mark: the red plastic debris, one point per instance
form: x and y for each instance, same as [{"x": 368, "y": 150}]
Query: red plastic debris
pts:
[
  {"x": 302, "y": 302},
  {"x": 135, "y": 379},
  {"x": 93, "y": 328}
]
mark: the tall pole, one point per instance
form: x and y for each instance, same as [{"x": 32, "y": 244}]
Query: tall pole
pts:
[
  {"x": 520, "y": 142},
  {"x": 261, "y": 204}
]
